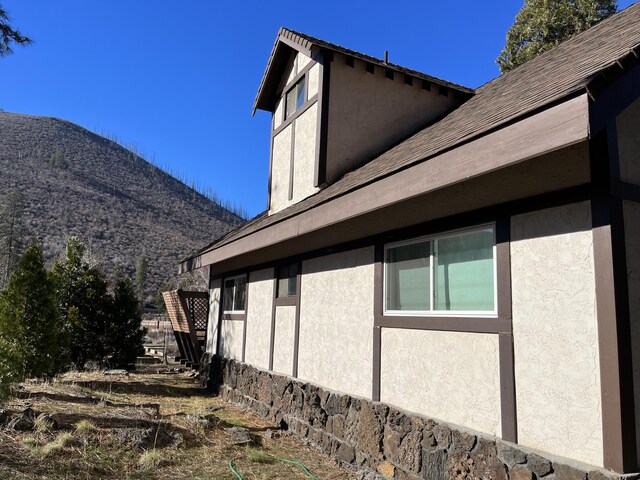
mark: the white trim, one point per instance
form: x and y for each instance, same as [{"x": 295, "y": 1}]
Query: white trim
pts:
[
  {"x": 234, "y": 277},
  {"x": 441, "y": 313}
]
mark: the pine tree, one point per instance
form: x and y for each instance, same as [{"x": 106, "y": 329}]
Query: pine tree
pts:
[
  {"x": 10, "y": 367},
  {"x": 542, "y": 24},
  {"x": 29, "y": 319},
  {"x": 141, "y": 274},
  {"x": 9, "y": 35},
  {"x": 12, "y": 232},
  {"x": 124, "y": 340},
  {"x": 83, "y": 301}
]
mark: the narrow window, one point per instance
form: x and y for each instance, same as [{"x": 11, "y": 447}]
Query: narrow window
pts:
[
  {"x": 446, "y": 274},
  {"x": 287, "y": 280},
  {"x": 234, "y": 295},
  {"x": 295, "y": 98}
]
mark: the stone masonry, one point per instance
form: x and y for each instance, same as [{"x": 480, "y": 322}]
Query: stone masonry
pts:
[{"x": 379, "y": 438}]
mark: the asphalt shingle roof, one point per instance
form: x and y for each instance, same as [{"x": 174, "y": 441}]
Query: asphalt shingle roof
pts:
[{"x": 557, "y": 74}]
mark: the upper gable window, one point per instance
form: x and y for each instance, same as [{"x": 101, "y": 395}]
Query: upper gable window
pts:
[{"x": 295, "y": 98}]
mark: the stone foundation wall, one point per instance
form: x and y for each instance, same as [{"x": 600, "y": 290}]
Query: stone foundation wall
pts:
[{"x": 379, "y": 438}]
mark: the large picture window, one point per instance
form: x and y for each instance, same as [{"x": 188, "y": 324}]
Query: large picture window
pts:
[
  {"x": 448, "y": 274},
  {"x": 235, "y": 292}
]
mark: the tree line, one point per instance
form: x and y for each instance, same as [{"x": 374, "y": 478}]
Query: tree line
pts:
[{"x": 53, "y": 320}]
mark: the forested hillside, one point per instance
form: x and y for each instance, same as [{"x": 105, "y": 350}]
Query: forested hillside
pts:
[{"x": 77, "y": 183}]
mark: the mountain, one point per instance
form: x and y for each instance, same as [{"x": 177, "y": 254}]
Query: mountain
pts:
[{"x": 75, "y": 182}]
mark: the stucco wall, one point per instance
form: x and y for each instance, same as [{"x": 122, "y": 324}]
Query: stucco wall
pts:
[
  {"x": 555, "y": 333},
  {"x": 449, "y": 376},
  {"x": 305, "y": 154},
  {"x": 632, "y": 240},
  {"x": 214, "y": 311},
  {"x": 369, "y": 112},
  {"x": 284, "y": 339},
  {"x": 259, "y": 318},
  {"x": 628, "y": 125},
  {"x": 280, "y": 166},
  {"x": 278, "y": 115},
  {"x": 336, "y": 321},
  {"x": 232, "y": 333},
  {"x": 314, "y": 80}
]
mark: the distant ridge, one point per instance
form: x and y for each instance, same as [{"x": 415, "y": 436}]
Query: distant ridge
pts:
[{"x": 76, "y": 182}]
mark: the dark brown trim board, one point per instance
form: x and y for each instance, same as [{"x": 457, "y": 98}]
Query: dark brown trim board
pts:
[
  {"x": 272, "y": 339},
  {"x": 508, "y": 408},
  {"x": 296, "y": 333},
  {"x": 246, "y": 314},
  {"x": 323, "y": 121},
  {"x": 612, "y": 310},
  {"x": 445, "y": 324},
  {"x": 378, "y": 282}
]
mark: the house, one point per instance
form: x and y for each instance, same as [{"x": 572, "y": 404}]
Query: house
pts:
[{"x": 445, "y": 279}]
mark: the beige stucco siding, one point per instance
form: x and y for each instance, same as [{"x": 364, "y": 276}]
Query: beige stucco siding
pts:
[
  {"x": 232, "y": 333},
  {"x": 278, "y": 115},
  {"x": 628, "y": 126},
  {"x": 557, "y": 369},
  {"x": 292, "y": 68},
  {"x": 214, "y": 311},
  {"x": 369, "y": 112},
  {"x": 259, "y": 318},
  {"x": 632, "y": 240},
  {"x": 336, "y": 321},
  {"x": 314, "y": 80},
  {"x": 303, "y": 60},
  {"x": 450, "y": 376},
  {"x": 281, "y": 163},
  {"x": 284, "y": 339},
  {"x": 305, "y": 154}
]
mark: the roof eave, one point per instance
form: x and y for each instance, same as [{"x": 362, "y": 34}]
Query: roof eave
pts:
[{"x": 560, "y": 126}]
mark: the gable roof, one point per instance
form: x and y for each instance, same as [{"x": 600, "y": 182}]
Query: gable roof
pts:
[
  {"x": 288, "y": 40},
  {"x": 573, "y": 67}
]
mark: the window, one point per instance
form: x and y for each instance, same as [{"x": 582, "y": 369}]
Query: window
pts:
[
  {"x": 295, "y": 98},
  {"x": 287, "y": 280},
  {"x": 235, "y": 291},
  {"x": 448, "y": 274}
]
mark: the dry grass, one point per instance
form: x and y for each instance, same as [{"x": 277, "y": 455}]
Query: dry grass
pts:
[{"x": 92, "y": 409}]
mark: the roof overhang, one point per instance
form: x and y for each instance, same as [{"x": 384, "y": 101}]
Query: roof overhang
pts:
[
  {"x": 280, "y": 54},
  {"x": 557, "y": 127}
]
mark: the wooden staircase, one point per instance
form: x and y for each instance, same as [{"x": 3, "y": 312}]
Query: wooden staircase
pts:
[{"x": 189, "y": 313}]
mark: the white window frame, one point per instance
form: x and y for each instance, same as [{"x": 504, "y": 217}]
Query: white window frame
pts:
[
  {"x": 441, "y": 313},
  {"x": 226, "y": 279}
]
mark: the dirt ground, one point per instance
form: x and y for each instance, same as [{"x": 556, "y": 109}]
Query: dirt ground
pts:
[{"x": 145, "y": 425}]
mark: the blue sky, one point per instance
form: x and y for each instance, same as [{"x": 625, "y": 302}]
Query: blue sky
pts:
[{"x": 178, "y": 79}]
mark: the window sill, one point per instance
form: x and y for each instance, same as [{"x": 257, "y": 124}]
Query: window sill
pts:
[
  {"x": 285, "y": 301},
  {"x": 234, "y": 315},
  {"x": 475, "y": 324}
]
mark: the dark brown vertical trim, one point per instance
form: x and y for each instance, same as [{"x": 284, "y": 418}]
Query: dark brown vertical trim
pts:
[
  {"x": 220, "y": 309},
  {"x": 246, "y": 316},
  {"x": 612, "y": 308},
  {"x": 508, "y": 412},
  {"x": 296, "y": 333},
  {"x": 291, "y": 158},
  {"x": 503, "y": 267},
  {"x": 377, "y": 313},
  {"x": 324, "y": 92},
  {"x": 272, "y": 338},
  {"x": 377, "y": 353},
  {"x": 508, "y": 406}
]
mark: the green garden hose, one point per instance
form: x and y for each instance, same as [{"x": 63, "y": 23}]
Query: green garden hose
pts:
[{"x": 292, "y": 462}]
